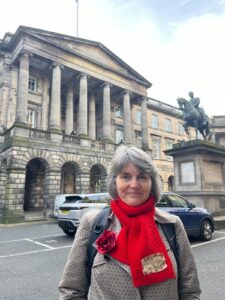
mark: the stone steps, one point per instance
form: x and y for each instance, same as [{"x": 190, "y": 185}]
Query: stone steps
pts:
[{"x": 34, "y": 216}]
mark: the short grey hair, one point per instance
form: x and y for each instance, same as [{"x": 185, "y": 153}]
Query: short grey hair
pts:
[{"x": 141, "y": 160}]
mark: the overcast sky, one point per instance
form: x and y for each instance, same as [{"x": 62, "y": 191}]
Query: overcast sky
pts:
[{"x": 178, "y": 45}]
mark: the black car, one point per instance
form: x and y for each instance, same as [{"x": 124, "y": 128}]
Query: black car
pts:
[{"x": 197, "y": 221}]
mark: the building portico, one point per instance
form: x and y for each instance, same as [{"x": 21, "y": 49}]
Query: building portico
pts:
[{"x": 72, "y": 82}]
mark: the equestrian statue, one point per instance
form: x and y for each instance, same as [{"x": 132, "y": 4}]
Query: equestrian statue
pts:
[{"x": 194, "y": 116}]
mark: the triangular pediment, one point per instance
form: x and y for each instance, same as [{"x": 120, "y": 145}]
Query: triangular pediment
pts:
[{"x": 91, "y": 50}]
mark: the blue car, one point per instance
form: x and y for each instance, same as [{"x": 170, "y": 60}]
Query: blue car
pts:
[{"x": 198, "y": 222}]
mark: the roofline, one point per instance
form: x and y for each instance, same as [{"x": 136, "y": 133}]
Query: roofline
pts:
[
  {"x": 26, "y": 29},
  {"x": 162, "y": 106}
]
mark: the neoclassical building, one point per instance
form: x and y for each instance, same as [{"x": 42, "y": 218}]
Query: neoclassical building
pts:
[{"x": 66, "y": 103}]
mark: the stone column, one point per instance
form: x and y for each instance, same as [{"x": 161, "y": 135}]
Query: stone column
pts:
[
  {"x": 55, "y": 105},
  {"x": 127, "y": 118},
  {"x": 12, "y": 210},
  {"x": 92, "y": 118},
  {"x": 144, "y": 125},
  {"x": 4, "y": 94},
  {"x": 83, "y": 106},
  {"x": 45, "y": 105},
  {"x": 106, "y": 112},
  {"x": 84, "y": 179},
  {"x": 38, "y": 121},
  {"x": 11, "y": 114},
  {"x": 53, "y": 187},
  {"x": 4, "y": 106},
  {"x": 69, "y": 110},
  {"x": 3, "y": 180},
  {"x": 22, "y": 96}
]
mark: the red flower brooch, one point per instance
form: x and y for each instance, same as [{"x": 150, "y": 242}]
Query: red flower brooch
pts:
[{"x": 106, "y": 242}]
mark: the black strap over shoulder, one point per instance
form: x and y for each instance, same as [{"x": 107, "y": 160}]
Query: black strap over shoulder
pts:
[
  {"x": 99, "y": 225},
  {"x": 170, "y": 234}
]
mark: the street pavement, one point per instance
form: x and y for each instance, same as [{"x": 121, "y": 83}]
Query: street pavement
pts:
[{"x": 33, "y": 256}]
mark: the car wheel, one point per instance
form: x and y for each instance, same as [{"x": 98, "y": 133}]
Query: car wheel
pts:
[
  {"x": 70, "y": 232},
  {"x": 206, "y": 231}
]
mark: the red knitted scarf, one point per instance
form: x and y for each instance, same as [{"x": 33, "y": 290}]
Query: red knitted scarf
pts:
[{"x": 139, "y": 244}]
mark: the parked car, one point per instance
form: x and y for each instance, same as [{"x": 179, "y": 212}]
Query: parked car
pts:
[
  {"x": 197, "y": 221},
  {"x": 73, "y": 208},
  {"x": 59, "y": 199}
]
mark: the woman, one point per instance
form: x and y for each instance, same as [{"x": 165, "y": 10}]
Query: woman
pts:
[{"x": 138, "y": 263}]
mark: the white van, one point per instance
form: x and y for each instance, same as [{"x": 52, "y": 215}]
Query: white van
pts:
[{"x": 73, "y": 208}]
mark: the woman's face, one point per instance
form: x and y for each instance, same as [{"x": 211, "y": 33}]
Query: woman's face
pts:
[{"x": 133, "y": 185}]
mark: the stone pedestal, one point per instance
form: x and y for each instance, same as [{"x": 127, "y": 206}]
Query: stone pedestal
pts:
[{"x": 199, "y": 169}]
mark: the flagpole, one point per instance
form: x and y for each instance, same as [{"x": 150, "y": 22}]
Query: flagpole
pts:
[{"x": 77, "y": 2}]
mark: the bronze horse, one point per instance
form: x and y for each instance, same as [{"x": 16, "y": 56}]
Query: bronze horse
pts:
[{"x": 192, "y": 117}]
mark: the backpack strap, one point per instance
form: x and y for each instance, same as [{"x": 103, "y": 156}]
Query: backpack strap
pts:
[
  {"x": 170, "y": 234},
  {"x": 100, "y": 224}
]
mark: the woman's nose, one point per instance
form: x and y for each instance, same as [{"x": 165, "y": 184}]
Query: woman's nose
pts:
[{"x": 134, "y": 182}]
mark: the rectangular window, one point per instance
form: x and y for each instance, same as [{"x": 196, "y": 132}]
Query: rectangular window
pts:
[
  {"x": 32, "y": 118},
  {"x": 168, "y": 125},
  {"x": 118, "y": 111},
  {"x": 32, "y": 84},
  {"x": 169, "y": 145},
  {"x": 155, "y": 121},
  {"x": 180, "y": 129},
  {"x": 138, "y": 138},
  {"x": 119, "y": 136},
  {"x": 156, "y": 148},
  {"x": 138, "y": 117}
]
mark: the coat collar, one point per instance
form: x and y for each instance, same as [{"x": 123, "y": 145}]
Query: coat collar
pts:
[{"x": 164, "y": 217}]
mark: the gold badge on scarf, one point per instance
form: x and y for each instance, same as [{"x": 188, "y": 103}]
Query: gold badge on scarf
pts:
[{"x": 153, "y": 263}]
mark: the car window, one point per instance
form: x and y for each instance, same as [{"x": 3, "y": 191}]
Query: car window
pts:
[
  {"x": 178, "y": 201},
  {"x": 72, "y": 199},
  {"x": 163, "y": 202}
]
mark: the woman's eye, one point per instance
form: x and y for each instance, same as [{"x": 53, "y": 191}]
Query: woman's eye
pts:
[
  {"x": 125, "y": 176},
  {"x": 143, "y": 177}
]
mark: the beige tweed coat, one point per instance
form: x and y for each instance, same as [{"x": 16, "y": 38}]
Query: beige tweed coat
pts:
[{"x": 111, "y": 280}]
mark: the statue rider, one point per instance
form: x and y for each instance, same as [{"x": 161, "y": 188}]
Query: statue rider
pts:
[{"x": 195, "y": 101}]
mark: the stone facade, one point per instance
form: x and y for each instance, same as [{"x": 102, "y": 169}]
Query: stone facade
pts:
[
  {"x": 199, "y": 173},
  {"x": 217, "y": 124},
  {"x": 65, "y": 105}
]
